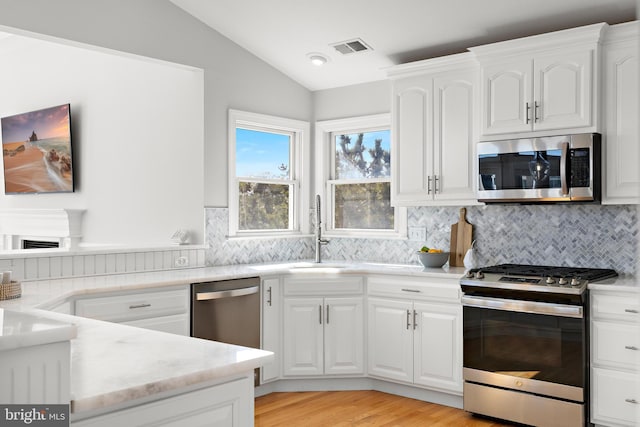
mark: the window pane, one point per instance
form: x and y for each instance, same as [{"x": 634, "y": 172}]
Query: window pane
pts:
[
  {"x": 262, "y": 154},
  {"x": 363, "y": 155},
  {"x": 363, "y": 206},
  {"x": 263, "y": 206}
]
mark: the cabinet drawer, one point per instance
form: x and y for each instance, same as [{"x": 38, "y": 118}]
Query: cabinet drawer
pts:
[
  {"x": 318, "y": 285},
  {"x": 120, "y": 308},
  {"x": 619, "y": 307},
  {"x": 402, "y": 287},
  {"x": 615, "y": 397},
  {"x": 615, "y": 345}
]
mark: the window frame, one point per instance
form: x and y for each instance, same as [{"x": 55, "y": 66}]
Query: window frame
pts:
[
  {"x": 324, "y": 182},
  {"x": 299, "y": 165}
]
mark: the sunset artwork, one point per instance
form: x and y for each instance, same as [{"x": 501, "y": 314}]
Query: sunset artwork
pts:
[{"x": 36, "y": 151}]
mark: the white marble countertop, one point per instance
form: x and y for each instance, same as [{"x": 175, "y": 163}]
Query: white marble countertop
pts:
[
  {"x": 22, "y": 329},
  {"x": 113, "y": 364},
  {"x": 46, "y": 294}
]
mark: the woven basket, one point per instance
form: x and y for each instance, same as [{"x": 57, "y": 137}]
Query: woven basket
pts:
[{"x": 10, "y": 291}]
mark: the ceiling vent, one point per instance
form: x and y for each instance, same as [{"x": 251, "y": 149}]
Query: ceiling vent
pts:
[{"x": 351, "y": 46}]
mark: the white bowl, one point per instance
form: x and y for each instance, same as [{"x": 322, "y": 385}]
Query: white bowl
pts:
[{"x": 433, "y": 259}]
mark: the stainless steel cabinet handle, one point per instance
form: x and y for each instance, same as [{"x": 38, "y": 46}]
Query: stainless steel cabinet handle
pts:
[
  {"x": 631, "y": 401},
  {"x": 408, "y": 321},
  {"x": 320, "y": 314},
  {"x": 631, "y": 347},
  {"x": 415, "y": 323},
  {"x": 630, "y": 310},
  {"x": 436, "y": 188},
  {"x": 327, "y": 314},
  {"x": 269, "y": 299},
  {"x": 528, "y": 108},
  {"x": 535, "y": 111},
  {"x": 429, "y": 178},
  {"x": 410, "y": 290},
  {"x": 132, "y": 307},
  {"x": 204, "y": 296}
]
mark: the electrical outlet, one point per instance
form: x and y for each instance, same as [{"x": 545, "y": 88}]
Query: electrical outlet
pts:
[
  {"x": 182, "y": 261},
  {"x": 418, "y": 234}
]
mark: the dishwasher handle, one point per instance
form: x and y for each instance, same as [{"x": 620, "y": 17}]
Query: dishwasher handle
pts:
[{"x": 230, "y": 293}]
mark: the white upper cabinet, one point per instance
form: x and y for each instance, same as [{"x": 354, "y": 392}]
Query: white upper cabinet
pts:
[
  {"x": 622, "y": 129},
  {"x": 540, "y": 85},
  {"x": 433, "y": 131}
]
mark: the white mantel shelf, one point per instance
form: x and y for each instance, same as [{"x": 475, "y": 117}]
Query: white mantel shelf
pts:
[{"x": 61, "y": 225}]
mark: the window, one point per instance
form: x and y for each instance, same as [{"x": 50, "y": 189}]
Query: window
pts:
[
  {"x": 356, "y": 176},
  {"x": 266, "y": 163}
]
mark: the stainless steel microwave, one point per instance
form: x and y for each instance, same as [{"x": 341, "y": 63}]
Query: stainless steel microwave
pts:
[{"x": 548, "y": 169}]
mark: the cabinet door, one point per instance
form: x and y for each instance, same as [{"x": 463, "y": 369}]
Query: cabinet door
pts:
[
  {"x": 506, "y": 93},
  {"x": 271, "y": 327},
  {"x": 622, "y": 135},
  {"x": 562, "y": 84},
  {"x": 614, "y": 397},
  {"x": 412, "y": 150},
  {"x": 302, "y": 346},
  {"x": 453, "y": 140},
  {"x": 438, "y": 346},
  {"x": 344, "y": 336},
  {"x": 390, "y": 344}
]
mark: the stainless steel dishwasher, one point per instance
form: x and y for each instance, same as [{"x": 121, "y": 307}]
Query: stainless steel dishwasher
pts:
[{"x": 227, "y": 311}]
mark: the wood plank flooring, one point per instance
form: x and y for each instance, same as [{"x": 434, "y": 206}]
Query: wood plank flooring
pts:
[{"x": 358, "y": 408}]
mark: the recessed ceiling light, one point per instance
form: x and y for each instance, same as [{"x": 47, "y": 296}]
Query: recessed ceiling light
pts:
[{"x": 317, "y": 59}]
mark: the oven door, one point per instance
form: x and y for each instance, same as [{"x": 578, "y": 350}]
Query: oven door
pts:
[{"x": 526, "y": 346}]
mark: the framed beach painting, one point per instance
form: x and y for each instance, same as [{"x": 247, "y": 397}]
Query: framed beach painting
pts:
[{"x": 36, "y": 151}]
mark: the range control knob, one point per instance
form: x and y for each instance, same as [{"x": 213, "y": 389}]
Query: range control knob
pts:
[
  {"x": 469, "y": 275},
  {"x": 550, "y": 280},
  {"x": 479, "y": 275},
  {"x": 575, "y": 281},
  {"x": 562, "y": 281}
]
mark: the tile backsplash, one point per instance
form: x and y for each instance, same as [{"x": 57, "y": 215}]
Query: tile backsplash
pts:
[{"x": 571, "y": 235}]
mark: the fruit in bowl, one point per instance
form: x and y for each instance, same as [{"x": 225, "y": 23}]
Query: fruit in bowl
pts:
[{"x": 432, "y": 258}]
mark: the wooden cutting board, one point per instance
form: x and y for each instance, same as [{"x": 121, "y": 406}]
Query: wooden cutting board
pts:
[{"x": 461, "y": 238}]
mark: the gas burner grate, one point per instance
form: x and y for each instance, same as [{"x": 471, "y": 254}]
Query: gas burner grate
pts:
[{"x": 589, "y": 274}]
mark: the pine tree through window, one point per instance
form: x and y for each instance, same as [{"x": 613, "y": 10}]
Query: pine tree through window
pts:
[{"x": 362, "y": 181}]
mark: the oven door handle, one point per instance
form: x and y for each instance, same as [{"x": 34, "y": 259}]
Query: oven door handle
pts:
[{"x": 520, "y": 306}]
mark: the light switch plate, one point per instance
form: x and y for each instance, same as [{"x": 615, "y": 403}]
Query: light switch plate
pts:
[{"x": 418, "y": 234}]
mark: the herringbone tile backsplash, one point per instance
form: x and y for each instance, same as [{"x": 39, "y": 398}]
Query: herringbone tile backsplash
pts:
[{"x": 569, "y": 235}]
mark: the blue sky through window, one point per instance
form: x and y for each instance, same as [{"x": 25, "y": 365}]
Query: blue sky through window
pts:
[{"x": 262, "y": 154}]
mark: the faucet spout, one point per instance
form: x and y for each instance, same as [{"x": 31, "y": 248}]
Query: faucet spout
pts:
[{"x": 319, "y": 240}]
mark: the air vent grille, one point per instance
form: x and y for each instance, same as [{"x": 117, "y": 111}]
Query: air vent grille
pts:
[{"x": 351, "y": 46}]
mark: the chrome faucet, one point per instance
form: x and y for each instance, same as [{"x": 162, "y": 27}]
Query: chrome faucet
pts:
[{"x": 319, "y": 240}]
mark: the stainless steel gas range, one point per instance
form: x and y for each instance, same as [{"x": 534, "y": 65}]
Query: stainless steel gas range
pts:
[{"x": 525, "y": 333}]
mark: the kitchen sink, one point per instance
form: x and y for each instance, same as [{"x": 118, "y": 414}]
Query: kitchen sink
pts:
[{"x": 302, "y": 267}]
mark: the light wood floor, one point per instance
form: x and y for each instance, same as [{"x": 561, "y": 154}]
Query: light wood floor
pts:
[{"x": 358, "y": 408}]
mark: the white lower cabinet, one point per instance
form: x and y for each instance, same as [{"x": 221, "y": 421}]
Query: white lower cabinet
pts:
[
  {"x": 615, "y": 358},
  {"x": 224, "y": 405},
  {"x": 164, "y": 310},
  {"x": 323, "y": 330},
  {"x": 415, "y": 332}
]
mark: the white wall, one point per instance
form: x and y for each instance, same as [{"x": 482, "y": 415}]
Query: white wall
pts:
[
  {"x": 233, "y": 78},
  {"x": 137, "y": 137},
  {"x": 352, "y": 101}
]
